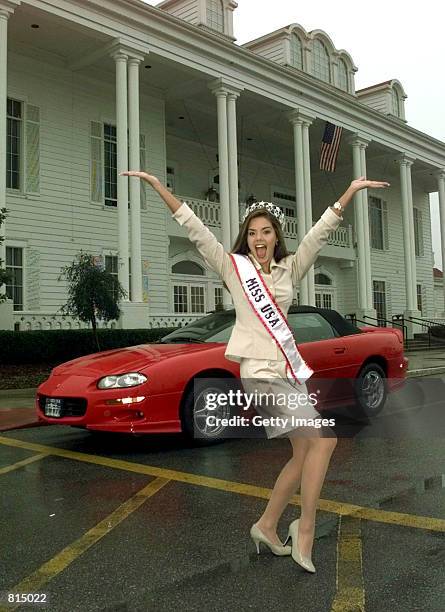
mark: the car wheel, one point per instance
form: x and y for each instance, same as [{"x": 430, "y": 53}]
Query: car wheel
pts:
[
  {"x": 370, "y": 389},
  {"x": 195, "y": 412}
]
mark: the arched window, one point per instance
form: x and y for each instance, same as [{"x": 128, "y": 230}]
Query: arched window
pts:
[
  {"x": 320, "y": 61},
  {"x": 395, "y": 103},
  {"x": 296, "y": 52},
  {"x": 215, "y": 15},
  {"x": 322, "y": 279},
  {"x": 342, "y": 75},
  {"x": 187, "y": 267}
]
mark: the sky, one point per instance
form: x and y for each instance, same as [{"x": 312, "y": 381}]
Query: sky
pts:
[{"x": 386, "y": 38}]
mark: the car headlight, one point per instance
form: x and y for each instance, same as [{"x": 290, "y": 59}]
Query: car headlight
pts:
[{"x": 122, "y": 381}]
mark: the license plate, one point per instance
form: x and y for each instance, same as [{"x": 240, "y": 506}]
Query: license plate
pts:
[{"x": 53, "y": 407}]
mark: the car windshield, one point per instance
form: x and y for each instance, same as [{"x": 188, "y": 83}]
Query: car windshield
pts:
[{"x": 215, "y": 327}]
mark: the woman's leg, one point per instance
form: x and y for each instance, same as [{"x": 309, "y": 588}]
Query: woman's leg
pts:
[
  {"x": 315, "y": 466},
  {"x": 285, "y": 486}
]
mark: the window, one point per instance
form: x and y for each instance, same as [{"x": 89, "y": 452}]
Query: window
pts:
[
  {"x": 378, "y": 224},
  {"x": 103, "y": 164},
  {"x": 187, "y": 267},
  {"x": 110, "y": 164},
  {"x": 14, "y": 144},
  {"x": 310, "y": 327},
  {"x": 215, "y": 15},
  {"x": 379, "y": 299},
  {"x": 395, "y": 103},
  {"x": 179, "y": 298},
  {"x": 218, "y": 297},
  {"x": 419, "y": 299},
  {"x": 14, "y": 265},
  {"x": 197, "y": 299},
  {"x": 112, "y": 267},
  {"x": 322, "y": 279},
  {"x": 189, "y": 298},
  {"x": 320, "y": 61},
  {"x": 323, "y": 300},
  {"x": 342, "y": 75},
  {"x": 418, "y": 232},
  {"x": 296, "y": 52}
]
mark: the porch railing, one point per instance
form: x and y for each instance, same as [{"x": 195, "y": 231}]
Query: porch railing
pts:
[
  {"x": 210, "y": 214},
  {"x": 40, "y": 320}
]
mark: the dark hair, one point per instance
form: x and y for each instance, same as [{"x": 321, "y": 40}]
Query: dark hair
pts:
[{"x": 241, "y": 246}]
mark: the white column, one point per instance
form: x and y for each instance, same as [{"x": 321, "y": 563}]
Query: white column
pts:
[
  {"x": 223, "y": 157},
  {"x": 297, "y": 124},
  {"x": 122, "y": 164},
  {"x": 360, "y": 230},
  {"x": 365, "y": 208},
  {"x": 441, "y": 189},
  {"x": 233, "y": 165},
  {"x": 3, "y": 97},
  {"x": 308, "y": 203},
  {"x": 411, "y": 233},
  {"x": 407, "y": 245},
  {"x": 135, "y": 194}
]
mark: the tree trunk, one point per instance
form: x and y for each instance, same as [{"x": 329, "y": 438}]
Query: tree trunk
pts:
[{"x": 96, "y": 337}]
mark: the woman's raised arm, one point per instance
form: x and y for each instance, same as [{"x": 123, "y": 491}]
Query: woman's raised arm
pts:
[{"x": 172, "y": 202}]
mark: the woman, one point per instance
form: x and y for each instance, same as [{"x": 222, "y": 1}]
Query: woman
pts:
[{"x": 260, "y": 267}]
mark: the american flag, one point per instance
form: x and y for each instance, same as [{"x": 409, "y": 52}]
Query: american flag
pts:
[{"x": 330, "y": 145}]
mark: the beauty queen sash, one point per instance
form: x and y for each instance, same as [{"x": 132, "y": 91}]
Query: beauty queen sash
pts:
[{"x": 270, "y": 315}]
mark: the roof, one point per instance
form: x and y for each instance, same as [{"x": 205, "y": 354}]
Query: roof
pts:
[{"x": 437, "y": 273}]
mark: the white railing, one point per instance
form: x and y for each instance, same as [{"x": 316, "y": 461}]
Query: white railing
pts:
[
  {"x": 172, "y": 320},
  {"x": 37, "y": 320},
  {"x": 210, "y": 214}
]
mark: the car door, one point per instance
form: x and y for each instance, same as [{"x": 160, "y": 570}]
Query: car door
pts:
[{"x": 327, "y": 354}]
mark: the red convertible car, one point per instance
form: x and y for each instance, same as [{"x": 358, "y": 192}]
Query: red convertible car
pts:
[{"x": 162, "y": 387}]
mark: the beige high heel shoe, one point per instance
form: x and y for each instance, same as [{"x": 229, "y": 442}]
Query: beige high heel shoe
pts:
[
  {"x": 305, "y": 562},
  {"x": 258, "y": 536}
]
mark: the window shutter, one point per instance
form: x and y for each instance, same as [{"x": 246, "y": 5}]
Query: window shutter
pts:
[
  {"x": 32, "y": 276},
  {"x": 32, "y": 149},
  {"x": 143, "y": 164},
  {"x": 96, "y": 164},
  {"x": 385, "y": 226}
]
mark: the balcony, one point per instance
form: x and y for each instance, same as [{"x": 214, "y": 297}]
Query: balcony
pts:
[{"x": 339, "y": 246}]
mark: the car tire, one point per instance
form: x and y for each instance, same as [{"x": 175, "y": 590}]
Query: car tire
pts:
[
  {"x": 370, "y": 389},
  {"x": 194, "y": 412}
]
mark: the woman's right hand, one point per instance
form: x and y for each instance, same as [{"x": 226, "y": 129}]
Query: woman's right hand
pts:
[{"x": 149, "y": 178}]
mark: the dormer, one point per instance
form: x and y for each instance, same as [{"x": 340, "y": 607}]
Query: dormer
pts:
[
  {"x": 388, "y": 98},
  {"x": 213, "y": 15},
  {"x": 313, "y": 53}
]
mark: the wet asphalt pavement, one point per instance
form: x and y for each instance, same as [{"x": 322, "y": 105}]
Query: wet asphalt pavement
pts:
[{"x": 116, "y": 523}]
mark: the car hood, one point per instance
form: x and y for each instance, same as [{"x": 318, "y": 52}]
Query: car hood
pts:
[{"x": 129, "y": 359}]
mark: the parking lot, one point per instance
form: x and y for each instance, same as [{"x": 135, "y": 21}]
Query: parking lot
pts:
[{"x": 107, "y": 522}]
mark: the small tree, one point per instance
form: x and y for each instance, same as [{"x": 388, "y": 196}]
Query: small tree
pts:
[
  {"x": 4, "y": 275},
  {"x": 92, "y": 292}
]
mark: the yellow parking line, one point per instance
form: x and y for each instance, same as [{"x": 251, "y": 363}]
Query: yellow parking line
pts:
[
  {"x": 336, "y": 507},
  {"x": 350, "y": 593},
  {"x": 19, "y": 464},
  {"x": 53, "y": 567}
]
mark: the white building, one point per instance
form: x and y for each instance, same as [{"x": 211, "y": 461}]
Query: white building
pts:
[{"x": 89, "y": 88}]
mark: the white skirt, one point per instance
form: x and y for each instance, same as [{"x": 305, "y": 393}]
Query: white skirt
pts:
[{"x": 284, "y": 406}]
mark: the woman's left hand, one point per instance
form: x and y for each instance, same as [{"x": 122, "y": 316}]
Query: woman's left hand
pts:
[{"x": 363, "y": 183}]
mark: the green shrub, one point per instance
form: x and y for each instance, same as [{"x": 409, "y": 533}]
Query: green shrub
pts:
[{"x": 57, "y": 346}]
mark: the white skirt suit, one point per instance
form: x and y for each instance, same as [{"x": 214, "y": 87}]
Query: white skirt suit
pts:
[{"x": 250, "y": 343}]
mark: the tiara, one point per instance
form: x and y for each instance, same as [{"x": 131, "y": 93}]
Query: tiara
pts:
[{"x": 271, "y": 208}]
